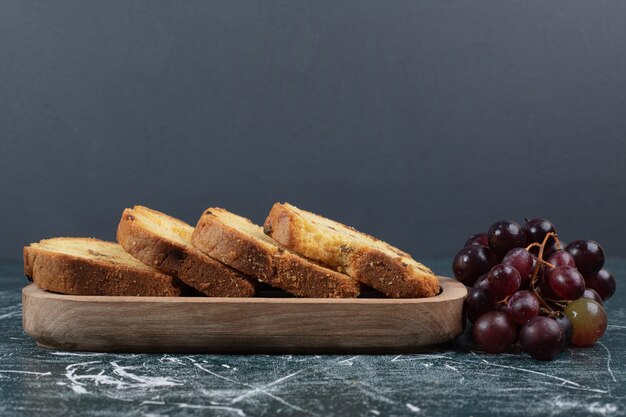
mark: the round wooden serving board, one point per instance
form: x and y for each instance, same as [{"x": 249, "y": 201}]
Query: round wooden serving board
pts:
[{"x": 243, "y": 325}]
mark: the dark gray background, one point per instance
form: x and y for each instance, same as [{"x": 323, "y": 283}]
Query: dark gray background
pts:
[{"x": 417, "y": 121}]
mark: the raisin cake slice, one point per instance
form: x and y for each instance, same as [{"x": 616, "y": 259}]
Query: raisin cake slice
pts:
[
  {"x": 85, "y": 266},
  {"x": 164, "y": 242},
  {"x": 238, "y": 242},
  {"x": 369, "y": 260}
]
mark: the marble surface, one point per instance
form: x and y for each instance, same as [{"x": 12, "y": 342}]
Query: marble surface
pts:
[{"x": 453, "y": 380}]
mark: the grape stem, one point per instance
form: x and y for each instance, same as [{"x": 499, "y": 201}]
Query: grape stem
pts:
[
  {"x": 532, "y": 245},
  {"x": 547, "y": 263},
  {"x": 533, "y": 281}
]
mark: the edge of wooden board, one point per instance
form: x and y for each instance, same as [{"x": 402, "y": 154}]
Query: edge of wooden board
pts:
[{"x": 243, "y": 325}]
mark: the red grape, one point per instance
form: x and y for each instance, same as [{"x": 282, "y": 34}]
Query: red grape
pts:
[
  {"x": 542, "y": 338},
  {"x": 588, "y": 320},
  {"x": 479, "y": 239},
  {"x": 588, "y": 255},
  {"x": 593, "y": 295},
  {"x": 522, "y": 260},
  {"x": 536, "y": 230},
  {"x": 535, "y": 262},
  {"x": 504, "y": 307},
  {"x": 494, "y": 332},
  {"x": 522, "y": 306},
  {"x": 561, "y": 258},
  {"x": 502, "y": 281},
  {"x": 602, "y": 282},
  {"x": 568, "y": 329},
  {"x": 544, "y": 286},
  {"x": 504, "y": 236},
  {"x": 551, "y": 248},
  {"x": 482, "y": 282},
  {"x": 478, "y": 302},
  {"x": 566, "y": 282},
  {"x": 471, "y": 262}
]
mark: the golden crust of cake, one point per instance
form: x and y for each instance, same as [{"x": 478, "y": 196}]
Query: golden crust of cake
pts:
[
  {"x": 85, "y": 266},
  {"x": 164, "y": 242},
  {"x": 238, "y": 242},
  {"x": 369, "y": 260}
]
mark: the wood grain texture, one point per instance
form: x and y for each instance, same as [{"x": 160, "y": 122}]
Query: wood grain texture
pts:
[{"x": 242, "y": 325}]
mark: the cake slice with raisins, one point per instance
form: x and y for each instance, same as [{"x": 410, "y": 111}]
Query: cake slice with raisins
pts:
[
  {"x": 164, "y": 242},
  {"x": 85, "y": 266},
  {"x": 241, "y": 244},
  {"x": 367, "y": 259}
]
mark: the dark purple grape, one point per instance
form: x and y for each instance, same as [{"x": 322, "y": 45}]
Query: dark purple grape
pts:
[
  {"x": 542, "y": 338},
  {"x": 526, "y": 284},
  {"x": 471, "y": 262},
  {"x": 478, "y": 302},
  {"x": 479, "y": 239},
  {"x": 566, "y": 282},
  {"x": 502, "y": 281},
  {"x": 551, "y": 248},
  {"x": 494, "y": 332},
  {"x": 602, "y": 282},
  {"x": 545, "y": 291},
  {"x": 522, "y": 260},
  {"x": 503, "y": 307},
  {"x": 568, "y": 329},
  {"x": 593, "y": 295},
  {"x": 588, "y": 255},
  {"x": 536, "y": 230},
  {"x": 504, "y": 236},
  {"x": 561, "y": 258},
  {"x": 482, "y": 282},
  {"x": 522, "y": 306}
]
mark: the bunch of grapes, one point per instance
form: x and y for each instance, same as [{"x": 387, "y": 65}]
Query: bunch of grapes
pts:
[{"x": 528, "y": 286}]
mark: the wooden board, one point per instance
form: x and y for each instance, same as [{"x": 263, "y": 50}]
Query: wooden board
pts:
[{"x": 242, "y": 325}]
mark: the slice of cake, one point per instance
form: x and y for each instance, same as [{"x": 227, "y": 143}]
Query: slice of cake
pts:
[
  {"x": 164, "y": 242},
  {"x": 363, "y": 257},
  {"x": 237, "y": 242},
  {"x": 84, "y": 266}
]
